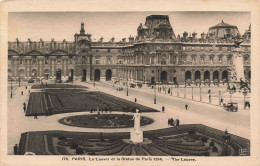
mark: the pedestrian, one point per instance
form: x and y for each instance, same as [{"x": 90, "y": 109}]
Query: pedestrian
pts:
[
  {"x": 25, "y": 87},
  {"x": 135, "y": 100},
  {"x": 163, "y": 109},
  {"x": 16, "y": 149},
  {"x": 22, "y": 93},
  {"x": 160, "y": 89},
  {"x": 172, "y": 122},
  {"x": 169, "y": 91},
  {"x": 35, "y": 116},
  {"x": 221, "y": 101},
  {"x": 24, "y": 104},
  {"x": 177, "y": 122},
  {"x": 24, "y": 108},
  {"x": 186, "y": 106}
]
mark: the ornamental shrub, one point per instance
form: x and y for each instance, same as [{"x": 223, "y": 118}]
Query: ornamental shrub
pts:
[
  {"x": 61, "y": 138},
  {"x": 211, "y": 144},
  {"x": 74, "y": 145},
  {"x": 79, "y": 150},
  {"x": 204, "y": 139},
  {"x": 214, "y": 149}
]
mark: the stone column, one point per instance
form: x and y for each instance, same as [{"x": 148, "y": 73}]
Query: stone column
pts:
[
  {"x": 30, "y": 67},
  {"x": 211, "y": 76}
]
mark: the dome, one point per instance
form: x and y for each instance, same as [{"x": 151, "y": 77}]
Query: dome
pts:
[{"x": 223, "y": 30}]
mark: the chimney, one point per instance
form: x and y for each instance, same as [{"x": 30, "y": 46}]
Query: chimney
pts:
[
  {"x": 203, "y": 35},
  {"x": 185, "y": 35},
  {"x": 194, "y": 35},
  {"x": 131, "y": 39}
]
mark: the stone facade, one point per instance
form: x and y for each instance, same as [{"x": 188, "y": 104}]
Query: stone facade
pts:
[{"x": 154, "y": 55}]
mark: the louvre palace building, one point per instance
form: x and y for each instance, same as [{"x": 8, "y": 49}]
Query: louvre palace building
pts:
[{"x": 155, "y": 55}]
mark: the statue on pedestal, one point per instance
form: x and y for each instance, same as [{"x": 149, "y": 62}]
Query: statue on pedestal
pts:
[{"x": 136, "y": 135}]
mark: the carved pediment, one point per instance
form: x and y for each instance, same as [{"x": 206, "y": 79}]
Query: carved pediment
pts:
[
  {"x": 59, "y": 52},
  {"x": 34, "y": 52},
  {"x": 12, "y": 53}
]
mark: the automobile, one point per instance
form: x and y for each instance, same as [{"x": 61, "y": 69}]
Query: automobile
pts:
[{"x": 231, "y": 107}]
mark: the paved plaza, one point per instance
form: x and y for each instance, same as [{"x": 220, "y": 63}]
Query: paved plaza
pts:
[{"x": 211, "y": 115}]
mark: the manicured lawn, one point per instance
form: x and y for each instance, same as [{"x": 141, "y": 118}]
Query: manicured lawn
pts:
[
  {"x": 43, "y": 86},
  {"x": 63, "y": 101},
  {"x": 175, "y": 141}
]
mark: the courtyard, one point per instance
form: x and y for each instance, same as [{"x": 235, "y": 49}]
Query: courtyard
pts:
[{"x": 50, "y": 128}]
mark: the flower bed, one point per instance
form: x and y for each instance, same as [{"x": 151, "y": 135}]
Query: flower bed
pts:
[{"x": 103, "y": 121}]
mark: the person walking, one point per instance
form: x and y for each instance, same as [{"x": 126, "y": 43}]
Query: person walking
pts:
[
  {"x": 24, "y": 108},
  {"x": 16, "y": 149},
  {"x": 135, "y": 100},
  {"x": 35, "y": 116},
  {"x": 186, "y": 106},
  {"x": 24, "y": 104},
  {"x": 177, "y": 122},
  {"x": 163, "y": 109}
]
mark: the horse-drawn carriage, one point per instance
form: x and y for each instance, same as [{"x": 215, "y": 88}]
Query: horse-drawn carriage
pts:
[{"x": 233, "y": 107}]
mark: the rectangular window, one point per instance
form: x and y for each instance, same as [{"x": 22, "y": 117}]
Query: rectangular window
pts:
[
  {"x": 34, "y": 60},
  {"x": 97, "y": 61},
  {"x": 58, "y": 61},
  {"x": 108, "y": 50},
  {"x": 192, "y": 48},
  {"x": 21, "y": 61},
  {"x": 97, "y": 50},
  {"x": 46, "y": 61},
  {"x": 229, "y": 48},
  {"x": 220, "y": 48},
  {"x": 183, "y": 48},
  {"x": 83, "y": 60}
]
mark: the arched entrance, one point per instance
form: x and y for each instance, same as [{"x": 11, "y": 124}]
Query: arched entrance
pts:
[
  {"x": 46, "y": 74},
  {"x": 10, "y": 74},
  {"x": 197, "y": 76},
  {"x": 152, "y": 80},
  {"x": 108, "y": 74},
  {"x": 34, "y": 73},
  {"x": 58, "y": 74},
  {"x": 21, "y": 73},
  {"x": 71, "y": 75},
  {"x": 249, "y": 76},
  {"x": 224, "y": 76},
  {"x": 97, "y": 75},
  {"x": 188, "y": 76},
  {"x": 164, "y": 77},
  {"x": 215, "y": 76},
  {"x": 84, "y": 75},
  {"x": 206, "y": 76}
]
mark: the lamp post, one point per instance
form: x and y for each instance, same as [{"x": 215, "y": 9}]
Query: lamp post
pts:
[
  {"x": 11, "y": 87},
  {"x": 231, "y": 92},
  {"x": 19, "y": 80},
  {"x": 171, "y": 89},
  {"x": 200, "y": 95},
  {"x": 155, "y": 93},
  {"x": 127, "y": 85},
  {"x": 244, "y": 93},
  {"x": 185, "y": 92},
  {"x": 219, "y": 94},
  {"x": 226, "y": 140},
  {"x": 178, "y": 91},
  {"x": 192, "y": 93}
]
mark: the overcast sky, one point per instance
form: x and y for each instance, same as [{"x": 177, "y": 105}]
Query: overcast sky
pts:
[{"x": 63, "y": 25}]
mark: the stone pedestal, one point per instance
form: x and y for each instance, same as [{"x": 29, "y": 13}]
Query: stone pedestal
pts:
[{"x": 136, "y": 136}]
